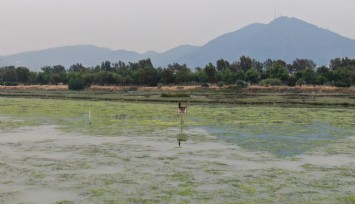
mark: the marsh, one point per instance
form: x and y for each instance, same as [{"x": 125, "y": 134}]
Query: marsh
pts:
[{"x": 258, "y": 154}]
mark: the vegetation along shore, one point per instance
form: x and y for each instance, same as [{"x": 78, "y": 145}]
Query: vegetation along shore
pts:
[{"x": 245, "y": 81}]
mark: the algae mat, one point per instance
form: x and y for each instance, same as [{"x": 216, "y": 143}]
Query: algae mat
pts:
[{"x": 49, "y": 153}]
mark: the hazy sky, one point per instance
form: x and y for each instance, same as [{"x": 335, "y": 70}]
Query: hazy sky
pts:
[{"x": 142, "y": 25}]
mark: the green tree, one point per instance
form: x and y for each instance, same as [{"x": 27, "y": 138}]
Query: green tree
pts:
[
  {"x": 42, "y": 78},
  {"x": 325, "y": 73},
  {"x": 335, "y": 63},
  {"x": 309, "y": 76},
  {"x": 183, "y": 75},
  {"x": 270, "y": 82},
  {"x": 57, "y": 69},
  {"x": 148, "y": 76},
  {"x": 106, "y": 66},
  {"x": 63, "y": 77},
  {"x": 345, "y": 76},
  {"x": 222, "y": 65},
  {"x": 258, "y": 66},
  {"x": 145, "y": 63},
  {"x": 46, "y": 75},
  {"x": 277, "y": 71},
  {"x": 201, "y": 77},
  {"x": 22, "y": 74},
  {"x": 252, "y": 76},
  {"x": 55, "y": 79},
  {"x": 320, "y": 80},
  {"x": 76, "y": 84},
  {"x": 9, "y": 74},
  {"x": 32, "y": 77},
  {"x": 210, "y": 71},
  {"x": 292, "y": 79},
  {"x": 245, "y": 63},
  {"x": 240, "y": 75},
  {"x": 300, "y": 82},
  {"x": 168, "y": 75},
  {"x": 105, "y": 78},
  {"x": 89, "y": 78},
  {"x": 301, "y": 64},
  {"x": 78, "y": 67},
  {"x": 341, "y": 62},
  {"x": 228, "y": 76},
  {"x": 118, "y": 66}
]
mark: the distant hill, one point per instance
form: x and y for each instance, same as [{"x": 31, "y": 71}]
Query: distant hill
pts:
[
  {"x": 173, "y": 55},
  {"x": 66, "y": 56},
  {"x": 284, "y": 38}
]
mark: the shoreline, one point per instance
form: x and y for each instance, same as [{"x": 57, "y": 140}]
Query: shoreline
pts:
[{"x": 253, "y": 95}]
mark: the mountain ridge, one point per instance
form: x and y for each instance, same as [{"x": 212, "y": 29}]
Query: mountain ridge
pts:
[{"x": 284, "y": 38}]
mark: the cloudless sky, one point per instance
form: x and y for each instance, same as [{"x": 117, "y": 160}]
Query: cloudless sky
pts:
[{"x": 143, "y": 25}]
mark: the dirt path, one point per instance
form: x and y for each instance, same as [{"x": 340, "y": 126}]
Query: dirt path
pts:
[{"x": 251, "y": 89}]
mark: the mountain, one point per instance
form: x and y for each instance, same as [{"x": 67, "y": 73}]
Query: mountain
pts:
[
  {"x": 66, "y": 56},
  {"x": 283, "y": 38},
  {"x": 173, "y": 55},
  {"x": 90, "y": 55}
]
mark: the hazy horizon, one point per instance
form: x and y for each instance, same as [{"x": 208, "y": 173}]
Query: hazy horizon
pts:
[{"x": 157, "y": 25}]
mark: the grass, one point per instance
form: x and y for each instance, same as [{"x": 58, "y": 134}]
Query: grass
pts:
[{"x": 252, "y": 95}]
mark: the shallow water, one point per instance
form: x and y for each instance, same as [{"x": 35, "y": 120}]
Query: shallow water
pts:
[
  {"x": 283, "y": 140},
  {"x": 90, "y": 169},
  {"x": 45, "y": 158}
]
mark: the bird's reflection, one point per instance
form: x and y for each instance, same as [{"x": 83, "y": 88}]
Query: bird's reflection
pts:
[{"x": 181, "y": 137}]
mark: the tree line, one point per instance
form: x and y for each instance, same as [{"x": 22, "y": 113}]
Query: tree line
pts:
[{"x": 340, "y": 72}]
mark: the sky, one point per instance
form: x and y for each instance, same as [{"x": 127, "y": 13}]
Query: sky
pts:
[{"x": 159, "y": 25}]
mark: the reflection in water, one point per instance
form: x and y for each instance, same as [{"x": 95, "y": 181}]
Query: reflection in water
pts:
[{"x": 181, "y": 137}]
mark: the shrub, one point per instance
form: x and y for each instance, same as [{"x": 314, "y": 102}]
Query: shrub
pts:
[
  {"x": 291, "y": 81},
  {"x": 342, "y": 84},
  {"x": 133, "y": 88},
  {"x": 241, "y": 84},
  {"x": 160, "y": 85},
  {"x": 175, "y": 95},
  {"x": 76, "y": 84},
  {"x": 10, "y": 83},
  {"x": 300, "y": 82},
  {"x": 220, "y": 84},
  {"x": 321, "y": 80},
  {"x": 270, "y": 82}
]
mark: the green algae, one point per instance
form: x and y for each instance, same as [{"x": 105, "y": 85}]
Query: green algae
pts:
[
  {"x": 349, "y": 199},
  {"x": 283, "y": 131},
  {"x": 139, "y": 176},
  {"x": 146, "y": 178},
  {"x": 106, "y": 118}
]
